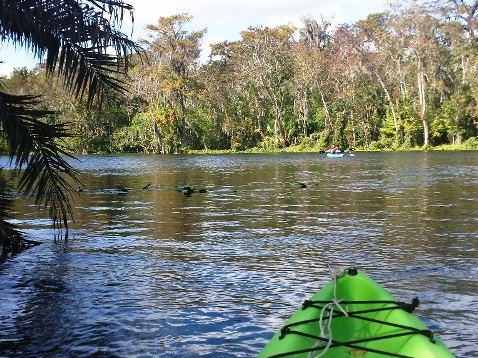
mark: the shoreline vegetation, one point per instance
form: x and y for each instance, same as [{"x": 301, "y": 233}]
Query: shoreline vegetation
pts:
[
  {"x": 300, "y": 149},
  {"x": 469, "y": 145},
  {"x": 295, "y": 149}
]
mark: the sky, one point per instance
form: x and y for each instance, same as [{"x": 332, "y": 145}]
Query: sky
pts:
[{"x": 224, "y": 20}]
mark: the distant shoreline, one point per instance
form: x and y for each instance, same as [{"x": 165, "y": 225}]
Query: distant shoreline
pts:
[{"x": 293, "y": 149}]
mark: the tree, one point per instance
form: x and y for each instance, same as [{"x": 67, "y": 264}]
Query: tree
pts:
[
  {"x": 312, "y": 58},
  {"x": 424, "y": 48},
  {"x": 81, "y": 45},
  {"x": 173, "y": 60},
  {"x": 460, "y": 27},
  {"x": 232, "y": 97},
  {"x": 266, "y": 53},
  {"x": 381, "y": 47}
]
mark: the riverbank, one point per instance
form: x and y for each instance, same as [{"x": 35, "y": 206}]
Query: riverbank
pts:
[
  {"x": 470, "y": 144},
  {"x": 301, "y": 149}
]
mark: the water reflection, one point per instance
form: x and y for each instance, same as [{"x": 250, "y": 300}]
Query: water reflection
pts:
[{"x": 152, "y": 272}]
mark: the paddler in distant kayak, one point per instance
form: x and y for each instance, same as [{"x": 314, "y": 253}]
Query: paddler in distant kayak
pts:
[{"x": 333, "y": 149}]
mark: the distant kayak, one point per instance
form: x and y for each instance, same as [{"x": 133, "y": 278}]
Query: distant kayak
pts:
[
  {"x": 335, "y": 155},
  {"x": 353, "y": 316}
]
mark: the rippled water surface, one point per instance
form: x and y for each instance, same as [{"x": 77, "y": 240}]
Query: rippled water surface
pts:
[{"x": 152, "y": 272}]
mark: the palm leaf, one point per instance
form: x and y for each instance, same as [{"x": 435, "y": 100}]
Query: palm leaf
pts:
[
  {"x": 33, "y": 147},
  {"x": 10, "y": 236},
  {"x": 74, "y": 38}
]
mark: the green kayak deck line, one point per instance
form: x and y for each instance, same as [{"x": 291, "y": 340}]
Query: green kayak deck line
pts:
[{"x": 367, "y": 321}]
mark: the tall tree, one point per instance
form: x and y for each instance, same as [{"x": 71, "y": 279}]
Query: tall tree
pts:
[
  {"x": 267, "y": 54},
  {"x": 79, "y": 41},
  {"x": 312, "y": 59},
  {"x": 424, "y": 49},
  {"x": 381, "y": 47},
  {"x": 174, "y": 58}
]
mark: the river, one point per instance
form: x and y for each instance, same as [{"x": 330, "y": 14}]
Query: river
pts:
[{"x": 155, "y": 273}]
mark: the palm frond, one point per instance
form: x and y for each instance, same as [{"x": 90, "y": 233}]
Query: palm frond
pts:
[
  {"x": 33, "y": 147},
  {"x": 75, "y": 38},
  {"x": 10, "y": 236}
]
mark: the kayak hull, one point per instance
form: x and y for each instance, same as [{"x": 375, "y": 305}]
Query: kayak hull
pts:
[
  {"x": 335, "y": 155},
  {"x": 375, "y": 325}
]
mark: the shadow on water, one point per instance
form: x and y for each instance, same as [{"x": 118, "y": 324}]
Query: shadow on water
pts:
[{"x": 151, "y": 272}]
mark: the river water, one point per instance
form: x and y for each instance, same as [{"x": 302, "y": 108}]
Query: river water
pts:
[{"x": 155, "y": 273}]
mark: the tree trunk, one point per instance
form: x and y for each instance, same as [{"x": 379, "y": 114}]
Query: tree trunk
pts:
[
  {"x": 183, "y": 120},
  {"x": 159, "y": 138},
  {"x": 327, "y": 122},
  {"x": 422, "y": 100},
  {"x": 391, "y": 105},
  {"x": 457, "y": 139}
]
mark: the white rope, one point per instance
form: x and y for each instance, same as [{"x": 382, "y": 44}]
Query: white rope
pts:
[{"x": 322, "y": 325}]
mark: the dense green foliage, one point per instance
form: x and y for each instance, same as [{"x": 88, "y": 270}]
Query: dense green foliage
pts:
[{"x": 400, "y": 79}]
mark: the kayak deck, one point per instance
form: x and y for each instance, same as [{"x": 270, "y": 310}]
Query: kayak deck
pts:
[{"x": 353, "y": 316}]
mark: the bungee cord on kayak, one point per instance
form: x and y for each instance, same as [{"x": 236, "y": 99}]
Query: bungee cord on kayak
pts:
[
  {"x": 335, "y": 302},
  {"x": 331, "y": 343},
  {"x": 352, "y": 316},
  {"x": 329, "y": 306}
]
